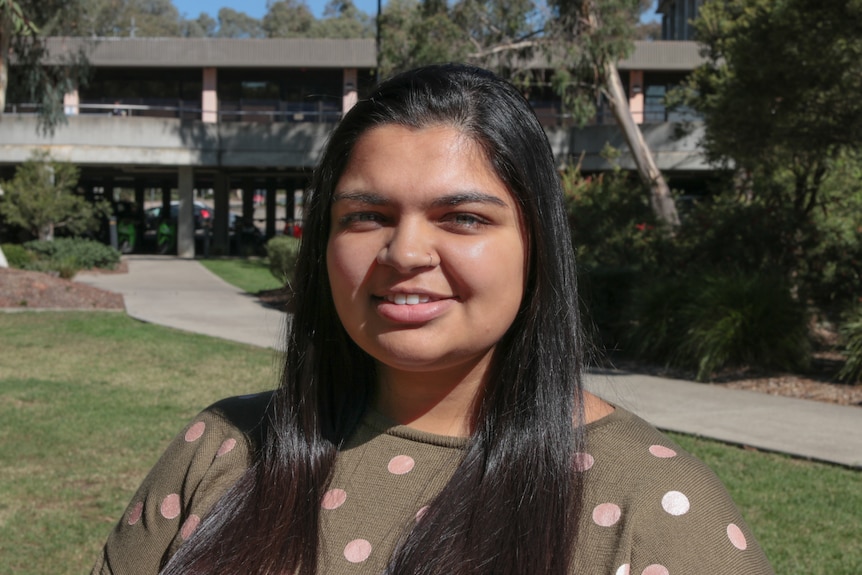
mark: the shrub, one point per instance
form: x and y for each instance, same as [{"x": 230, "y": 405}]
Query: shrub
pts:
[
  {"x": 75, "y": 252},
  {"x": 282, "y": 252},
  {"x": 616, "y": 239},
  {"x": 17, "y": 255},
  {"x": 851, "y": 332},
  {"x": 717, "y": 320}
]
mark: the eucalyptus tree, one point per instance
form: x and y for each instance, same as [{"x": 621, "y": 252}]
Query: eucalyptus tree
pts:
[
  {"x": 578, "y": 41},
  {"x": 24, "y": 25}
]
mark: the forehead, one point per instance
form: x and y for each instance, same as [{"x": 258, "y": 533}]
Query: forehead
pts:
[{"x": 420, "y": 160}]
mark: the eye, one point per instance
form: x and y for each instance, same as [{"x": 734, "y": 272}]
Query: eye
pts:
[
  {"x": 466, "y": 220},
  {"x": 360, "y": 220}
]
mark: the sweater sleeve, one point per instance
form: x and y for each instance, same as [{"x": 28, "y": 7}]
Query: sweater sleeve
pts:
[
  {"x": 687, "y": 523},
  {"x": 653, "y": 509},
  {"x": 197, "y": 468}
]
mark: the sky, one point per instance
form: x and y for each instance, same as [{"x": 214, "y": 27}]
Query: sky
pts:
[{"x": 257, "y": 8}]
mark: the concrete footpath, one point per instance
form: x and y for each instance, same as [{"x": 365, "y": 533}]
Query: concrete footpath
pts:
[{"x": 183, "y": 294}]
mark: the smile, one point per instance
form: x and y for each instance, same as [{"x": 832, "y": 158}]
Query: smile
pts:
[{"x": 407, "y": 299}]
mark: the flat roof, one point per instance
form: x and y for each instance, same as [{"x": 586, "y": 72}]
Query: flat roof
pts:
[
  {"x": 220, "y": 52},
  {"x": 658, "y": 55}
]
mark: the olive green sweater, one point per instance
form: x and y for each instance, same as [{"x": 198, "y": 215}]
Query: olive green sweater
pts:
[{"x": 650, "y": 507}]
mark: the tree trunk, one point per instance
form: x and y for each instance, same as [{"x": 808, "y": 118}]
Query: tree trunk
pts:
[
  {"x": 660, "y": 199},
  {"x": 5, "y": 29}
]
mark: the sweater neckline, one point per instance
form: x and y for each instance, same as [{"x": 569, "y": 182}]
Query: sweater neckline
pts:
[{"x": 382, "y": 424}]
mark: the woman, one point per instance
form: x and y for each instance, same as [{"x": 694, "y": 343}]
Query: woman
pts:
[{"x": 431, "y": 417}]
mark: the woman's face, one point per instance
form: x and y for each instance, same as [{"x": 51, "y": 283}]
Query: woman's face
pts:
[{"x": 426, "y": 251}]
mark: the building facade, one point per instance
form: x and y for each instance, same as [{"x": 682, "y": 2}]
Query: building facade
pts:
[{"x": 244, "y": 120}]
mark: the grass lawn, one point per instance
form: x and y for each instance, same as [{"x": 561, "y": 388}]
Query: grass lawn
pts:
[
  {"x": 251, "y": 275},
  {"x": 89, "y": 400}
]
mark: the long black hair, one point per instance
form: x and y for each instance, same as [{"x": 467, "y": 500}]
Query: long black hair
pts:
[{"x": 513, "y": 503}]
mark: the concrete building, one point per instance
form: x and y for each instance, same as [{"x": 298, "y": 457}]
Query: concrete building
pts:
[{"x": 168, "y": 118}]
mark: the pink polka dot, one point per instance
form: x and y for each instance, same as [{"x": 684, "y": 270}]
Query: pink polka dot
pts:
[
  {"x": 675, "y": 503},
  {"x": 226, "y": 447},
  {"x": 333, "y": 499},
  {"x": 170, "y": 507},
  {"x": 737, "y": 537},
  {"x": 195, "y": 431},
  {"x": 400, "y": 464},
  {"x": 623, "y": 570},
  {"x": 421, "y": 513},
  {"x": 583, "y": 461},
  {"x": 655, "y": 569},
  {"x": 136, "y": 512},
  {"x": 662, "y": 451},
  {"x": 606, "y": 514},
  {"x": 357, "y": 550},
  {"x": 189, "y": 526}
]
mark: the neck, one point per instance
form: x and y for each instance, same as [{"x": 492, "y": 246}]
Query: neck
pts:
[{"x": 439, "y": 402}]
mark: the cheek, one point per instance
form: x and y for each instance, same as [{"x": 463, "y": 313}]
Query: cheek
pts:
[
  {"x": 494, "y": 265},
  {"x": 341, "y": 272}
]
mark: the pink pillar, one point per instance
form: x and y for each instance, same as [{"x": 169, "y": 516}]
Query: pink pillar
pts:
[
  {"x": 636, "y": 95},
  {"x": 209, "y": 97},
  {"x": 350, "y": 95},
  {"x": 71, "y": 103}
]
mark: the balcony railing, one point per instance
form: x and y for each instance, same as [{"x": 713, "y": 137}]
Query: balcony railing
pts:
[{"x": 228, "y": 113}]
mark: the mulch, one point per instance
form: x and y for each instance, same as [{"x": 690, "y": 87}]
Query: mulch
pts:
[{"x": 20, "y": 289}]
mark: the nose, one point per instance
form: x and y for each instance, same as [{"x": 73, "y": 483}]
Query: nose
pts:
[{"x": 409, "y": 247}]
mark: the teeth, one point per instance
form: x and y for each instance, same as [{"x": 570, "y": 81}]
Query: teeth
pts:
[{"x": 408, "y": 299}]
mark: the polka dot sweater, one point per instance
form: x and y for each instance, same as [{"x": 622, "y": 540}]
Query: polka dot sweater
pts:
[{"x": 650, "y": 507}]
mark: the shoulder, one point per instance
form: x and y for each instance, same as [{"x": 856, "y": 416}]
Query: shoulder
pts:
[
  {"x": 648, "y": 502},
  {"x": 201, "y": 463}
]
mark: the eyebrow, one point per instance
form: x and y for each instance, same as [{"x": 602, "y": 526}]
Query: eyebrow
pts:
[{"x": 469, "y": 197}]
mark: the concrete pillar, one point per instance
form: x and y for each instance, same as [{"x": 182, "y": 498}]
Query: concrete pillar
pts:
[
  {"x": 186, "y": 217},
  {"x": 221, "y": 207},
  {"x": 209, "y": 96},
  {"x": 350, "y": 94},
  {"x": 248, "y": 201},
  {"x": 140, "y": 218},
  {"x": 270, "y": 207},
  {"x": 636, "y": 95},
  {"x": 166, "y": 199}
]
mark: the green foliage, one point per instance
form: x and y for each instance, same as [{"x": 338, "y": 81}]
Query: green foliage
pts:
[
  {"x": 412, "y": 35},
  {"x": 800, "y": 108},
  {"x": 783, "y": 126},
  {"x": 612, "y": 224},
  {"x": 288, "y": 19},
  {"x": 830, "y": 272},
  {"x": 716, "y": 320},
  {"x": 17, "y": 256},
  {"x": 851, "y": 333},
  {"x": 68, "y": 255},
  {"x": 29, "y": 22},
  {"x": 617, "y": 240},
  {"x": 341, "y": 19},
  {"x": 282, "y": 252},
  {"x": 41, "y": 198},
  {"x": 234, "y": 24}
]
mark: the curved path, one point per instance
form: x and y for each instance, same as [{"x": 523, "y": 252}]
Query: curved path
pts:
[{"x": 183, "y": 294}]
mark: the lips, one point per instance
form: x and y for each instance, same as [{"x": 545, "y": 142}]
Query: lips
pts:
[{"x": 412, "y": 308}]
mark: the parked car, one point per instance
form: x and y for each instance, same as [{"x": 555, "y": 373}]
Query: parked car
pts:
[{"x": 203, "y": 215}]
